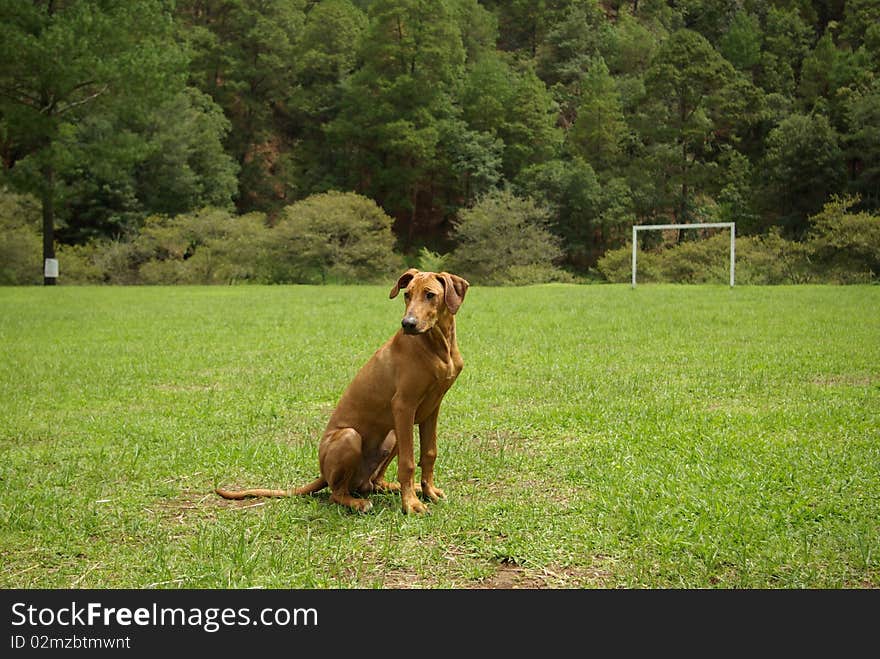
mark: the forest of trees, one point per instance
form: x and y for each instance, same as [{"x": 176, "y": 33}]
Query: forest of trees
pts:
[{"x": 123, "y": 120}]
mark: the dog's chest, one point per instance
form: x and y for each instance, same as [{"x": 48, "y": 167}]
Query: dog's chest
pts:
[
  {"x": 445, "y": 374},
  {"x": 447, "y": 370}
]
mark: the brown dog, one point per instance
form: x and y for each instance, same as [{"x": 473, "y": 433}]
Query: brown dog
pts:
[{"x": 400, "y": 386}]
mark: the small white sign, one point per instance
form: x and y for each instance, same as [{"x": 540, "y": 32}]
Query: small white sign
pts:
[{"x": 51, "y": 268}]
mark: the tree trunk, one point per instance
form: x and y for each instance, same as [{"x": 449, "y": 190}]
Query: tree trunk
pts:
[
  {"x": 48, "y": 202},
  {"x": 410, "y": 237},
  {"x": 684, "y": 205},
  {"x": 684, "y": 208}
]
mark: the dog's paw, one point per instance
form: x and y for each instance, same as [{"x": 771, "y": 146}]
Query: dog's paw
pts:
[
  {"x": 433, "y": 493},
  {"x": 413, "y": 505},
  {"x": 357, "y": 505}
]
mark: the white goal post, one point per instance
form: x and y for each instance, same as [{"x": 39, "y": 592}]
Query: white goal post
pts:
[{"x": 663, "y": 227}]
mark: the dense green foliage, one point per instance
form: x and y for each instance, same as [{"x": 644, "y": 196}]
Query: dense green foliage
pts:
[
  {"x": 843, "y": 247},
  {"x": 331, "y": 237},
  {"x": 605, "y": 113},
  {"x": 504, "y": 239},
  {"x": 663, "y": 437},
  {"x": 19, "y": 239}
]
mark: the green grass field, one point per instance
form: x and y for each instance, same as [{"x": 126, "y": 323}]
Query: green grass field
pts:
[{"x": 599, "y": 436}]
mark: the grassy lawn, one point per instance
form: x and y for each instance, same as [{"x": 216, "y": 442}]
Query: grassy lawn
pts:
[{"x": 599, "y": 436}]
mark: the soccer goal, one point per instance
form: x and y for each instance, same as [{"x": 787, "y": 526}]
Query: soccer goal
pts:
[{"x": 663, "y": 227}]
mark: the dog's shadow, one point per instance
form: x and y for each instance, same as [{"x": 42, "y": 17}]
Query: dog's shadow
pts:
[{"x": 382, "y": 502}]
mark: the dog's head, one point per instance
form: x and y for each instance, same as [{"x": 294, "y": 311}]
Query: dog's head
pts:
[{"x": 428, "y": 296}]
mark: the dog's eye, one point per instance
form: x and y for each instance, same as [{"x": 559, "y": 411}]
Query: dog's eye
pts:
[
  {"x": 406, "y": 295},
  {"x": 430, "y": 296}
]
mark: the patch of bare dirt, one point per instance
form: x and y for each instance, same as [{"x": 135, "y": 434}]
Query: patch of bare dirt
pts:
[
  {"x": 512, "y": 576},
  {"x": 404, "y": 579},
  {"x": 503, "y": 440},
  {"x": 204, "y": 504}
]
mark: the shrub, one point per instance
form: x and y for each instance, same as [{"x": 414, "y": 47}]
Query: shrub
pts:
[
  {"x": 20, "y": 243},
  {"x": 698, "y": 261},
  {"x": 504, "y": 239},
  {"x": 845, "y": 246},
  {"x": 119, "y": 261},
  {"x": 81, "y": 264},
  {"x": 429, "y": 261},
  {"x": 616, "y": 265},
  {"x": 338, "y": 237},
  {"x": 771, "y": 259},
  {"x": 210, "y": 246},
  {"x": 766, "y": 259},
  {"x": 173, "y": 271},
  {"x": 334, "y": 236},
  {"x": 536, "y": 273}
]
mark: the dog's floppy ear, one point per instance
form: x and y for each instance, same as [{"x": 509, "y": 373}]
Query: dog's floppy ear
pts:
[
  {"x": 403, "y": 281},
  {"x": 454, "y": 288}
]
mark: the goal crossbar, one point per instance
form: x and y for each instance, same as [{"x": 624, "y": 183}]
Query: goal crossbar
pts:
[{"x": 704, "y": 225}]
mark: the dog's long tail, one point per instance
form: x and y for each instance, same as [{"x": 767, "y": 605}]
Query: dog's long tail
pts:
[{"x": 314, "y": 486}]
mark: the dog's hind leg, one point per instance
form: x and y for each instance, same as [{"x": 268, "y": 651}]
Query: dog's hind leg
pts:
[
  {"x": 341, "y": 458},
  {"x": 376, "y": 469}
]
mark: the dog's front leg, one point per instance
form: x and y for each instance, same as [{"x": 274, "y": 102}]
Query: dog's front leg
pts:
[
  {"x": 404, "y": 420},
  {"x": 428, "y": 455}
]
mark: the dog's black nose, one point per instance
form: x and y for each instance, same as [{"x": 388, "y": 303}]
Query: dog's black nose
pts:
[{"x": 409, "y": 323}]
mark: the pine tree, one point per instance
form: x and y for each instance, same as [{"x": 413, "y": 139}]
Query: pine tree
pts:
[
  {"x": 685, "y": 86},
  {"x": 600, "y": 126},
  {"x": 63, "y": 64}
]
